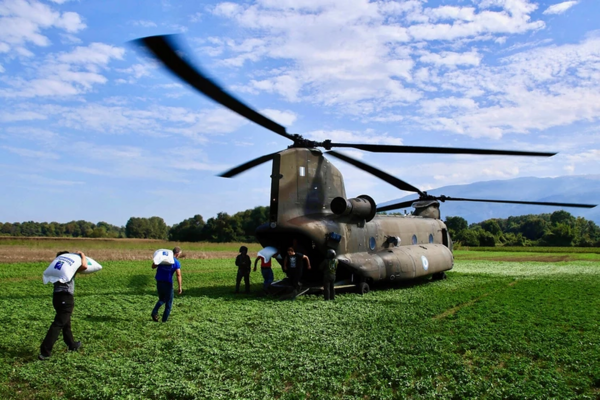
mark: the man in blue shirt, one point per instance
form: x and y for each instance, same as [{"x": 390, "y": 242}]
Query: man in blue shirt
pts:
[{"x": 164, "y": 285}]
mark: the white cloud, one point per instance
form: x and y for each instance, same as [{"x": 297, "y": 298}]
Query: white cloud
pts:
[
  {"x": 560, "y": 7},
  {"x": 145, "y": 24},
  {"x": 341, "y": 136},
  {"x": 44, "y": 155},
  {"x": 357, "y": 54},
  {"x": 67, "y": 74},
  {"x": 42, "y": 180},
  {"x": 95, "y": 53},
  {"x": 22, "y": 21},
  {"x": 451, "y": 59},
  {"x": 285, "y": 118},
  {"x": 15, "y": 116}
]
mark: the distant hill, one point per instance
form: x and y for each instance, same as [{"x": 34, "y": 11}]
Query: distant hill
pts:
[{"x": 567, "y": 189}]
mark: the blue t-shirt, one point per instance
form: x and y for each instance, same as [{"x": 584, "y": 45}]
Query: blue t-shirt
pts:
[{"x": 164, "y": 273}]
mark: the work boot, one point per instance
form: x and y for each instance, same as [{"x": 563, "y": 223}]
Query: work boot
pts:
[{"x": 76, "y": 346}]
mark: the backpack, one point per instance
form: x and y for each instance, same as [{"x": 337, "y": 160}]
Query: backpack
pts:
[{"x": 331, "y": 266}]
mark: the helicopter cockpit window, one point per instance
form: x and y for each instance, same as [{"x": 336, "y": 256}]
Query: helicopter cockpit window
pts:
[
  {"x": 372, "y": 243},
  {"x": 430, "y": 238},
  {"x": 414, "y": 239}
]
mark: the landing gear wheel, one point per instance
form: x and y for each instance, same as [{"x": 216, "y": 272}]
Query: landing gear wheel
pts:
[
  {"x": 362, "y": 288},
  {"x": 438, "y": 276}
]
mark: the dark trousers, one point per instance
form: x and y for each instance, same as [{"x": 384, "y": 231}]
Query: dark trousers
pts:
[
  {"x": 165, "y": 296},
  {"x": 245, "y": 273},
  {"x": 328, "y": 289},
  {"x": 63, "y": 303},
  {"x": 295, "y": 274}
]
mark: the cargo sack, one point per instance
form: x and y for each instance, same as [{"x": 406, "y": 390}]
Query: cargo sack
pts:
[
  {"x": 163, "y": 257},
  {"x": 92, "y": 266},
  {"x": 267, "y": 253},
  {"x": 62, "y": 269}
]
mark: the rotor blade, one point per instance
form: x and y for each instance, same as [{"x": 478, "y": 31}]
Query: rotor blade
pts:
[
  {"x": 164, "y": 49},
  {"x": 382, "y": 148},
  {"x": 400, "y": 184},
  {"x": 534, "y": 203},
  {"x": 246, "y": 166},
  {"x": 396, "y": 206}
]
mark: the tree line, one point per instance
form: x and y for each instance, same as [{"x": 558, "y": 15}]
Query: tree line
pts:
[
  {"x": 557, "y": 229},
  {"x": 239, "y": 227}
]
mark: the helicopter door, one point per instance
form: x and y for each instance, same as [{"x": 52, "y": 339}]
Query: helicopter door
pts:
[{"x": 445, "y": 238}]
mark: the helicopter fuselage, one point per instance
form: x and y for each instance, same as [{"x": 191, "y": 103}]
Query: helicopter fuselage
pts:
[{"x": 309, "y": 212}]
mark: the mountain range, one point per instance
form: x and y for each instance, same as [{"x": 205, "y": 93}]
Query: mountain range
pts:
[{"x": 566, "y": 189}]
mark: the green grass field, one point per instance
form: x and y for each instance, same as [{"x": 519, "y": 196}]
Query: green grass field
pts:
[{"x": 495, "y": 330}]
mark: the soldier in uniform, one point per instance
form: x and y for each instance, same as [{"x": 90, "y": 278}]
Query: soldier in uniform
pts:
[
  {"x": 329, "y": 267},
  {"x": 244, "y": 265}
]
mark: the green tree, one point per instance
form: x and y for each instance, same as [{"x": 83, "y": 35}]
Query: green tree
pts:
[
  {"x": 562, "y": 217},
  {"x": 491, "y": 226},
  {"x": 468, "y": 237},
  {"x": 455, "y": 225},
  {"x": 189, "y": 230},
  {"x": 534, "y": 228}
]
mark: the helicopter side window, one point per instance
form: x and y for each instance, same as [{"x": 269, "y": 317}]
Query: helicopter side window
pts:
[
  {"x": 372, "y": 243},
  {"x": 430, "y": 238},
  {"x": 414, "y": 239}
]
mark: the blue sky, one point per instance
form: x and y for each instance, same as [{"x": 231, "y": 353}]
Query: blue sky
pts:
[{"x": 90, "y": 128}]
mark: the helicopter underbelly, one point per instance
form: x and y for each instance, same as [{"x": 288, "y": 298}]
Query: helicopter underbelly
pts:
[{"x": 401, "y": 263}]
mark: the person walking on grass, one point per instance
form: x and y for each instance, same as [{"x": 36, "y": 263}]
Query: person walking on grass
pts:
[
  {"x": 164, "y": 285},
  {"x": 63, "y": 301},
  {"x": 244, "y": 265}
]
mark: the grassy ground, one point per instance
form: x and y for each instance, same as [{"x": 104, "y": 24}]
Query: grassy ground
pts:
[{"x": 492, "y": 330}]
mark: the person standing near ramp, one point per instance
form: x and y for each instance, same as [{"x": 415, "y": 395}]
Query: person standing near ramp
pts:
[
  {"x": 329, "y": 268},
  {"x": 244, "y": 265},
  {"x": 293, "y": 264},
  {"x": 164, "y": 284},
  {"x": 265, "y": 256}
]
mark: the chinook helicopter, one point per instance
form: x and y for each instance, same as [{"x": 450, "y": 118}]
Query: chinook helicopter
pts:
[{"x": 310, "y": 211}]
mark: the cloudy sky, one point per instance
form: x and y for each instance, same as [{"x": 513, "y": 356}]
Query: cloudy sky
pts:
[{"x": 90, "y": 128}]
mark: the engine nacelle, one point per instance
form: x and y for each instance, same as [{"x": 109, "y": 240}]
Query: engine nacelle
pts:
[{"x": 362, "y": 207}]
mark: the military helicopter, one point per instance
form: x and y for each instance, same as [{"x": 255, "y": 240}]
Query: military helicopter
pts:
[{"x": 309, "y": 209}]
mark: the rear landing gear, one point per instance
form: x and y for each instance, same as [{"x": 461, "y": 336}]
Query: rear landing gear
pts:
[
  {"x": 438, "y": 276},
  {"x": 362, "y": 288}
]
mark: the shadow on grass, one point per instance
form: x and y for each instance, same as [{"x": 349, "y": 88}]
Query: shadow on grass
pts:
[{"x": 21, "y": 352}]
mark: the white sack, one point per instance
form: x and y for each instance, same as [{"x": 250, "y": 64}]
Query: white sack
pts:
[
  {"x": 62, "y": 269},
  {"x": 92, "y": 266},
  {"x": 267, "y": 253},
  {"x": 163, "y": 256}
]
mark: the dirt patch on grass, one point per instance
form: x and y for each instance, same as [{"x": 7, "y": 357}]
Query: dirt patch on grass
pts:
[{"x": 19, "y": 254}]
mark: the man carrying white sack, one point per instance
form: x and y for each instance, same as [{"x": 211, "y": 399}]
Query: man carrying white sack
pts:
[
  {"x": 164, "y": 284},
  {"x": 64, "y": 302}
]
